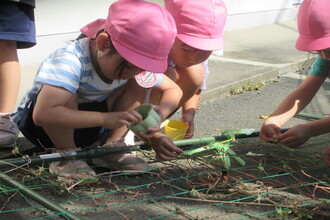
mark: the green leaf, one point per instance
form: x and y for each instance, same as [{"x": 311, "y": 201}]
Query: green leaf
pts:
[
  {"x": 240, "y": 160},
  {"x": 237, "y": 158},
  {"x": 231, "y": 152},
  {"x": 226, "y": 161},
  {"x": 193, "y": 151}
]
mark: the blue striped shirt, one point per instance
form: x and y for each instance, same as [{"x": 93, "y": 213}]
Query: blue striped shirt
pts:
[{"x": 70, "y": 67}]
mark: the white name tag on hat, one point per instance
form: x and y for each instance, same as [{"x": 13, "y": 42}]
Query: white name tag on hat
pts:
[{"x": 148, "y": 79}]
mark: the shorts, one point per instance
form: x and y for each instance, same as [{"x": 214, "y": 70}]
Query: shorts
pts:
[
  {"x": 83, "y": 137},
  {"x": 17, "y": 24}
]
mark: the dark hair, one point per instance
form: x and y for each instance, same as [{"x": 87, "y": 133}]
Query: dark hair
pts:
[
  {"x": 112, "y": 48},
  {"x": 81, "y": 36}
]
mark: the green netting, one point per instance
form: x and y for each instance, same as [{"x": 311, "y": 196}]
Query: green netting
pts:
[{"x": 274, "y": 183}]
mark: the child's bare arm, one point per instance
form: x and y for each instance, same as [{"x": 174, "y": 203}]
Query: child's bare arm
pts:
[
  {"x": 57, "y": 106},
  {"x": 290, "y": 106},
  {"x": 298, "y": 99},
  {"x": 190, "y": 80},
  {"x": 299, "y": 134},
  {"x": 171, "y": 95},
  {"x": 189, "y": 111}
]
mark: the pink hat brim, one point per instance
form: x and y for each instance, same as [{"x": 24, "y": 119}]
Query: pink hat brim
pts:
[
  {"x": 91, "y": 29},
  {"x": 315, "y": 44},
  {"x": 141, "y": 61},
  {"x": 202, "y": 43}
]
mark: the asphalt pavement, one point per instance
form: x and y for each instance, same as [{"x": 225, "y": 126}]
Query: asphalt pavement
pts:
[
  {"x": 245, "y": 110},
  {"x": 254, "y": 55}
]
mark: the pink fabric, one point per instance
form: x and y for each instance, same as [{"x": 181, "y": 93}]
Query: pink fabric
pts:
[
  {"x": 313, "y": 25},
  {"x": 200, "y": 23},
  {"x": 92, "y": 28},
  {"x": 142, "y": 32}
]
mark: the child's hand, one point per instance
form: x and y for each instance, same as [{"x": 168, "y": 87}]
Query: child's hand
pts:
[
  {"x": 150, "y": 134},
  {"x": 156, "y": 108},
  {"x": 191, "y": 130},
  {"x": 188, "y": 119},
  {"x": 157, "y": 128},
  {"x": 117, "y": 119},
  {"x": 164, "y": 147},
  {"x": 327, "y": 156},
  {"x": 151, "y": 131},
  {"x": 295, "y": 136},
  {"x": 270, "y": 131}
]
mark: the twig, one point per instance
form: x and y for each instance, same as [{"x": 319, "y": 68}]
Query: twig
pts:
[
  {"x": 234, "y": 203},
  {"x": 8, "y": 200},
  {"x": 113, "y": 172}
]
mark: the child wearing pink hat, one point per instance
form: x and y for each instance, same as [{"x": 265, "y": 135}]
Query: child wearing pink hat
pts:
[
  {"x": 314, "y": 35},
  {"x": 200, "y": 26},
  {"x": 77, "y": 88}
]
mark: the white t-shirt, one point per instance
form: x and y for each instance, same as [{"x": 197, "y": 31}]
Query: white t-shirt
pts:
[{"x": 206, "y": 71}]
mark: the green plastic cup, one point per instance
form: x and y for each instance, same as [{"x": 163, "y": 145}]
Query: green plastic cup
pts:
[{"x": 150, "y": 118}]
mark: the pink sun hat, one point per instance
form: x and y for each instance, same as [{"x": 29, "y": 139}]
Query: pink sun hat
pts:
[
  {"x": 313, "y": 23},
  {"x": 142, "y": 32},
  {"x": 200, "y": 23}
]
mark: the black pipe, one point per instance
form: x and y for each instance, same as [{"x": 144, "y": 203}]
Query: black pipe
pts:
[{"x": 99, "y": 152}]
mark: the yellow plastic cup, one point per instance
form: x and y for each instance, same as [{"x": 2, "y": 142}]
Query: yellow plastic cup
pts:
[{"x": 175, "y": 129}]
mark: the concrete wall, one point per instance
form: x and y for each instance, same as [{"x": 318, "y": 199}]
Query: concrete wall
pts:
[
  {"x": 58, "y": 21},
  {"x": 252, "y": 13}
]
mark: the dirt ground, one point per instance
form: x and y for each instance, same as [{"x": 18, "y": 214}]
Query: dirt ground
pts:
[{"x": 190, "y": 189}]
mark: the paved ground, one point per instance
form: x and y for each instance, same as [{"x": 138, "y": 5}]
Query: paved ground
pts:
[
  {"x": 254, "y": 55},
  {"x": 244, "y": 110}
]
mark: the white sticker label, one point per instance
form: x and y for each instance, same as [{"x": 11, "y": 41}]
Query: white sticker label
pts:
[
  {"x": 147, "y": 79},
  {"x": 57, "y": 155}
]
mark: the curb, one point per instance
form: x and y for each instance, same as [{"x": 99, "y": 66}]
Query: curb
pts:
[{"x": 224, "y": 91}]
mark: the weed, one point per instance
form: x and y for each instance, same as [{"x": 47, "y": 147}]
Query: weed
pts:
[
  {"x": 235, "y": 90},
  {"x": 246, "y": 87},
  {"x": 299, "y": 213}
]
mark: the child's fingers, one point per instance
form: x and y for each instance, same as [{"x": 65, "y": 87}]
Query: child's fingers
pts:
[
  {"x": 156, "y": 107},
  {"x": 190, "y": 133},
  {"x": 128, "y": 118},
  {"x": 270, "y": 132},
  {"x": 145, "y": 135},
  {"x": 136, "y": 116},
  {"x": 153, "y": 130},
  {"x": 125, "y": 122},
  {"x": 289, "y": 141},
  {"x": 174, "y": 150},
  {"x": 267, "y": 136},
  {"x": 167, "y": 155},
  {"x": 163, "y": 157}
]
